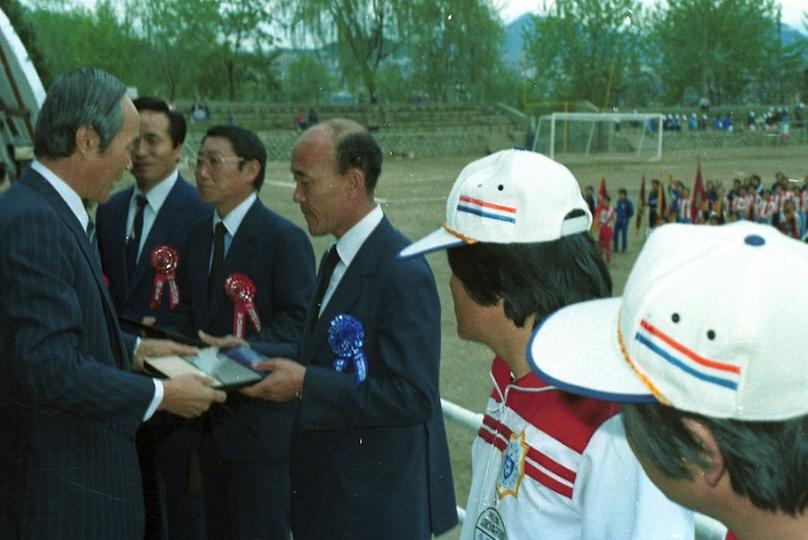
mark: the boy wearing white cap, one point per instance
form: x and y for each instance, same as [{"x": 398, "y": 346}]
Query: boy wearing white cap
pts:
[
  {"x": 716, "y": 401},
  {"x": 545, "y": 463}
]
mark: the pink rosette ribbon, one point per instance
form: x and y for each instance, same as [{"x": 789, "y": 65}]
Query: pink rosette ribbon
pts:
[
  {"x": 241, "y": 290},
  {"x": 164, "y": 260}
]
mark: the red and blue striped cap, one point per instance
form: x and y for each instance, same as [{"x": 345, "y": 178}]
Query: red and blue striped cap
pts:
[
  {"x": 711, "y": 321},
  {"x": 511, "y": 196}
]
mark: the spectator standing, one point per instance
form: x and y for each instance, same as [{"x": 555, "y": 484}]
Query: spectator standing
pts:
[
  {"x": 790, "y": 222},
  {"x": 250, "y": 278},
  {"x": 71, "y": 400},
  {"x": 589, "y": 197},
  {"x": 312, "y": 119},
  {"x": 624, "y": 210},
  {"x": 369, "y": 455},
  {"x": 605, "y": 218},
  {"x": 698, "y": 384},
  {"x": 684, "y": 213},
  {"x": 653, "y": 204},
  {"x": 500, "y": 284},
  {"x": 155, "y": 212}
]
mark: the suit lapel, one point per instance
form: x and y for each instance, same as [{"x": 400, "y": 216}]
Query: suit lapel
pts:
[
  {"x": 36, "y": 182},
  {"x": 348, "y": 292},
  {"x": 235, "y": 260},
  {"x": 168, "y": 218},
  {"x": 117, "y": 259}
]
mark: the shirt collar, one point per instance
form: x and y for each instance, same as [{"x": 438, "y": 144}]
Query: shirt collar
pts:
[
  {"x": 67, "y": 193},
  {"x": 232, "y": 221},
  {"x": 350, "y": 242},
  {"x": 159, "y": 193}
]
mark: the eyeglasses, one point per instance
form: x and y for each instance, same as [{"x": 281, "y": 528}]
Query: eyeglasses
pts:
[{"x": 215, "y": 162}]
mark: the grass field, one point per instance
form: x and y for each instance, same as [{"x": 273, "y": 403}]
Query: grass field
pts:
[{"x": 413, "y": 195}]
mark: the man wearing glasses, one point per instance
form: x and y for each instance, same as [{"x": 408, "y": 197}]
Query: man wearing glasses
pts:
[
  {"x": 250, "y": 276},
  {"x": 155, "y": 211}
]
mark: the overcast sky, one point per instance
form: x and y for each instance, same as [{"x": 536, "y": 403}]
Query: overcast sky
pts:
[{"x": 512, "y": 9}]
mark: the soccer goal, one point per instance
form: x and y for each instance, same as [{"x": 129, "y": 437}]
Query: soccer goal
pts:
[{"x": 602, "y": 135}]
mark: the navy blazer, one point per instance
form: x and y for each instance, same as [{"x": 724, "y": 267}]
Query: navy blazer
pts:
[
  {"x": 132, "y": 294},
  {"x": 278, "y": 257},
  {"x": 69, "y": 405},
  {"x": 372, "y": 461}
]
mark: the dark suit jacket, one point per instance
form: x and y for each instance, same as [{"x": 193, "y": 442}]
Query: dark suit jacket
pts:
[
  {"x": 277, "y": 256},
  {"x": 372, "y": 461},
  {"x": 69, "y": 405},
  {"x": 132, "y": 294}
]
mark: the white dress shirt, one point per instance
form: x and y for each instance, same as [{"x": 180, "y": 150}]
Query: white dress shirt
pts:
[
  {"x": 348, "y": 246},
  {"x": 232, "y": 221},
  {"x": 155, "y": 197}
]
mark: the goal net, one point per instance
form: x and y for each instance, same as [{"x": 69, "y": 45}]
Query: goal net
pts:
[{"x": 600, "y": 135}]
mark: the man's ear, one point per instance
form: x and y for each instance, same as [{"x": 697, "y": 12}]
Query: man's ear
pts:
[
  {"x": 251, "y": 169},
  {"x": 178, "y": 152},
  {"x": 87, "y": 142},
  {"x": 702, "y": 433},
  {"x": 356, "y": 183}
]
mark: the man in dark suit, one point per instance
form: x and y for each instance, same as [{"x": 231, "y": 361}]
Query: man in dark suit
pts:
[
  {"x": 244, "y": 455},
  {"x": 156, "y": 211},
  {"x": 369, "y": 457},
  {"x": 69, "y": 401}
]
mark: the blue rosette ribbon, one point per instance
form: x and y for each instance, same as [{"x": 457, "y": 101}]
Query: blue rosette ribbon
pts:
[{"x": 346, "y": 337}]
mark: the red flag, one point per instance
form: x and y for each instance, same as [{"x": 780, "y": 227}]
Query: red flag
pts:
[
  {"x": 699, "y": 196},
  {"x": 602, "y": 191},
  {"x": 641, "y": 205}
]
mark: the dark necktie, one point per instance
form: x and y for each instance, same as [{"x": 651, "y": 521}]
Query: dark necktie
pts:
[
  {"x": 326, "y": 270},
  {"x": 93, "y": 239},
  {"x": 218, "y": 258},
  {"x": 133, "y": 242}
]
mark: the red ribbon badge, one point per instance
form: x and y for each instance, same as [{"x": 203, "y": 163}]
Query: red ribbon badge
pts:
[
  {"x": 241, "y": 290},
  {"x": 164, "y": 260}
]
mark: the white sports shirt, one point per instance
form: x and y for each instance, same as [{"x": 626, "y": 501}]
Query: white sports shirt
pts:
[{"x": 547, "y": 464}]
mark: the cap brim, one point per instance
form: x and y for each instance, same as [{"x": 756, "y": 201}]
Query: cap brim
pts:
[
  {"x": 439, "y": 239},
  {"x": 575, "y": 349}
]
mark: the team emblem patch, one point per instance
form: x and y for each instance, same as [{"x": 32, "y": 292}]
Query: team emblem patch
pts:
[{"x": 513, "y": 466}]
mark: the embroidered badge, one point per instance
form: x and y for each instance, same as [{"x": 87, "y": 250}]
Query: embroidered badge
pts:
[
  {"x": 513, "y": 466},
  {"x": 489, "y": 526}
]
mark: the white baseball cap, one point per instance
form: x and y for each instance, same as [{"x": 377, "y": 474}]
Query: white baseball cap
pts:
[
  {"x": 713, "y": 321},
  {"x": 512, "y": 196}
]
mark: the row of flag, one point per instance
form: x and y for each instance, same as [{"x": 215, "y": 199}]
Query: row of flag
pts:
[{"x": 698, "y": 198}]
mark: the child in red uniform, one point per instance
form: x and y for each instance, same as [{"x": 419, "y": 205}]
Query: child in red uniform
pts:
[{"x": 605, "y": 217}]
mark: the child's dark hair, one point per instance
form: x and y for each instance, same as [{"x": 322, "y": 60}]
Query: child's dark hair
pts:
[{"x": 532, "y": 278}]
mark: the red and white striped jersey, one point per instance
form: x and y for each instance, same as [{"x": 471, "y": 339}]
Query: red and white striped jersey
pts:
[
  {"x": 552, "y": 465},
  {"x": 685, "y": 210},
  {"x": 765, "y": 210}
]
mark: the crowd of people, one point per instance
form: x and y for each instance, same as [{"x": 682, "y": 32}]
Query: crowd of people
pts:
[
  {"x": 782, "y": 204},
  {"x": 342, "y": 435},
  {"x": 778, "y": 120}
]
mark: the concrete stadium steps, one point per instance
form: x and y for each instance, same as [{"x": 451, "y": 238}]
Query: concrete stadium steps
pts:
[
  {"x": 262, "y": 116},
  {"x": 710, "y": 138},
  {"x": 399, "y": 143}
]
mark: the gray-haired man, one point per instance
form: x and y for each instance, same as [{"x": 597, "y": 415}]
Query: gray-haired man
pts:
[{"x": 70, "y": 400}]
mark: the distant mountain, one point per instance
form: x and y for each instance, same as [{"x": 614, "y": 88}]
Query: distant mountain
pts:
[
  {"x": 514, "y": 38},
  {"x": 515, "y": 31},
  {"x": 789, "y": 34}
]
